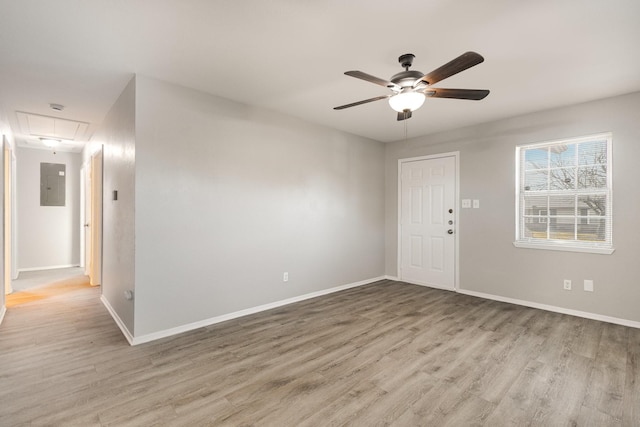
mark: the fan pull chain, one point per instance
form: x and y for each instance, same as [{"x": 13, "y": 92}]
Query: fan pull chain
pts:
[{"x": 405, "y": 131}]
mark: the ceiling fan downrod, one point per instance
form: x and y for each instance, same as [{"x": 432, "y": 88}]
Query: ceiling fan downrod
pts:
[{"x": 406, "y": 60}]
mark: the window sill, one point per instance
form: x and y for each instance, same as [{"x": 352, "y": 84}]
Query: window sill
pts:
[{"x": 602, "y": 251}]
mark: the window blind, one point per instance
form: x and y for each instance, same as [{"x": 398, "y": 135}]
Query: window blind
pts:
[{"x": 564, "y": 193}]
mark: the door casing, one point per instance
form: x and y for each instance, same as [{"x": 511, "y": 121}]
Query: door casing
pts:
[
  {"x": 91, "y": 224},
  {"x": 7, "y": 207},
  {"x": 95, "y": 226}
]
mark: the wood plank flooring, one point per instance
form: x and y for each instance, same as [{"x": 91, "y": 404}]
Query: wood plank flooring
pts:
[{"x": 388, "y": 353}]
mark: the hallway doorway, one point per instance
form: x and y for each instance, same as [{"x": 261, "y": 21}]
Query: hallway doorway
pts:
[
  {"x": 91, "y": 222},
  {"x": 43, "y": 284}
]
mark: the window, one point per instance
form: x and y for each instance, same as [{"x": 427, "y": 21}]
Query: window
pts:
[
  {"x": 563, "y": 195},
  {"x": 542, "y": 216}
]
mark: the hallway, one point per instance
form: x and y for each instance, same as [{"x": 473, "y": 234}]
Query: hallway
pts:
[
  {"x": 33, "y": 279},
  {"x": 35, "y": 285}
]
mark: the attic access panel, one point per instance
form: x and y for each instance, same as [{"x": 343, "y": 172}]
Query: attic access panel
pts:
[{"x": 52, "y": 184}]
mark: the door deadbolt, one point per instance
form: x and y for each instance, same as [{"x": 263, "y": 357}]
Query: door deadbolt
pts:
[
  {"x": 450, "y": 222},
  {"x": 450, "y": 210}
]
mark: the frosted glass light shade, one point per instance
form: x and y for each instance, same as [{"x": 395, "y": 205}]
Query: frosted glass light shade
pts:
[
  {"x": 49, "y": 142},
  {"x": 407, "y": 101}
]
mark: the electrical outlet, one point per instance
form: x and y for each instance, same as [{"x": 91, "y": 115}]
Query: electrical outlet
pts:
[
  {"x": 285, "y": 277},
  {"x": 567, "y": 284},
  {"x": 588, "y": 285}
]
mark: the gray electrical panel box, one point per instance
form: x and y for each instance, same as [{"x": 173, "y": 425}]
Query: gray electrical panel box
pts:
[{"x": 52, "y": 184}]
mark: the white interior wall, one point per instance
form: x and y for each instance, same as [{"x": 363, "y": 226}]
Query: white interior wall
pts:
[
  {"x": 116, "y": 136},
  {"x": 228, "y": 197},
  {"x": 489, "y": 263},
  {"x": 224, "y": 198},
  {"x": 48, "y": 236}
]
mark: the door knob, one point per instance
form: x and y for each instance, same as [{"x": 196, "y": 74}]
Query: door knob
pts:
[
  {"x": 450, "y": 210},
  {"x": 450, "y": 231}
]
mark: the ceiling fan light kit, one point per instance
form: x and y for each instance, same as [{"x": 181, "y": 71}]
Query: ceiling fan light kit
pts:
[
  {"x": 50, "y": 142},
  {"x": 407, "y": 101},
  {"x": 410, "y": 87}
]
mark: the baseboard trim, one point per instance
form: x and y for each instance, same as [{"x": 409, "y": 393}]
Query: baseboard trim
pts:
[
  {"x": 553, "y": 308},
  {"x": 117, "y": 319},
  {"x": 3, "y": 311},
  {"x": 51, "y": 267},
  {"x": 428, "y": 285},
  {"x": 230, "y": 316}
]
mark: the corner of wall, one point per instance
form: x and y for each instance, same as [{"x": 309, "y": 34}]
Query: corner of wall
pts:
[{"x": 116, "y": 137}]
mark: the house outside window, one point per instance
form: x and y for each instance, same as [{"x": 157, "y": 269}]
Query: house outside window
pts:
[
  {"x": 542, "y": 216},
  {"x": 563, "y": 195}
]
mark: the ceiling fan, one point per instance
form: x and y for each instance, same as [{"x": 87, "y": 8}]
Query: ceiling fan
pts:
[{"x": 410, "y": 87}]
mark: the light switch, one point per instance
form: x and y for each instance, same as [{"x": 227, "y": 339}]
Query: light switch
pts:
[
  {"x": 588, "y": 285},
  {"x": 476, "y": 204},
  {"x": 466, "y": 203}
]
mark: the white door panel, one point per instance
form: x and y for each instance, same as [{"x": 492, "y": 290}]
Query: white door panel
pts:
[
  {"x": 427, "y": 202},
  {"x": 87, "y": 218}
]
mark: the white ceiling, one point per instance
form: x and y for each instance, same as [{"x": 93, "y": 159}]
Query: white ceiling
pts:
[{"x": 290, "y": 55}]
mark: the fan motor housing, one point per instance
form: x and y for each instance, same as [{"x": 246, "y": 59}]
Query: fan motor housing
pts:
[{"x": 406, "y": 78}]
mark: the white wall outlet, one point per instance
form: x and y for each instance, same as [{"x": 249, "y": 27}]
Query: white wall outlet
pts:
[
  {"x": 588, "y": 285},
  {"x": 466, "y": 203},
  {"x": 567, "y": 284},
  {"x": 285, "y": 276},
  {"x": 476, "y": 204}
]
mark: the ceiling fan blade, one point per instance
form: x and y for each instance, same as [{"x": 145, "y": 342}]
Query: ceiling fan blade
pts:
[
  {"x": 373, "y": 79},
  {"x": 473, "y": 94},
  {"x": 404, "y": 115},
  {"x": 461, "y": 63},
  {"x": 377, "y": 98}
]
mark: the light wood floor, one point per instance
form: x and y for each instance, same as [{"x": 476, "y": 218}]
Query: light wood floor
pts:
[
  {"x": 383, "y": 354},
  {"x": 28, "y": 280}
]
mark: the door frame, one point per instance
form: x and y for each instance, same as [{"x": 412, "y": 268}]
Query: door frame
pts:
[
  {"x": 83, "y": 213},
  {"x": 7, "y": 215},
  {"x": 91, "y": 178},
  {"x": 14, "y": 216},
  {"x": 456, "y": 207},
  {"x": 95, "y": 228}
]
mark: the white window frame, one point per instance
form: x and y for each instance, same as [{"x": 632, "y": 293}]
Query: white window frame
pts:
[
  {"x": 542, "y": 217},
  {"x": 561, "y": 245}
]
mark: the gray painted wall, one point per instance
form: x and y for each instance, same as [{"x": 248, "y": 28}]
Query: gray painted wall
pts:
[
  {"x": 117, "y": 135},
  {"x": 489, "y": 263},
  {"x": 48, "y": 236},
  {"x": 228, "y": 197}
]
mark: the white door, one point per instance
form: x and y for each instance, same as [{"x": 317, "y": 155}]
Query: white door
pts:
[
  {"x": 96, "y": 219},
  {"x": 86, "y": 218},
  {"x": 92, "y": 176},
  {"x": 427, "y": 222}
]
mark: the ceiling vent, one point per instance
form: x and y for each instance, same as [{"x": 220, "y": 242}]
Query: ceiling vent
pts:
[{"x": 51, "y": 127}]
